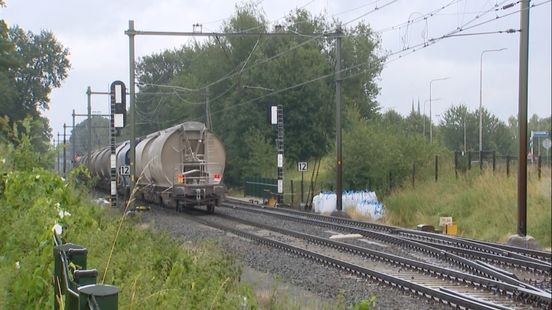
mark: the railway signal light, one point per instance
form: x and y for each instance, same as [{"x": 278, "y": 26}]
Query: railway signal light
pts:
[{"x": 118, "y": 101}]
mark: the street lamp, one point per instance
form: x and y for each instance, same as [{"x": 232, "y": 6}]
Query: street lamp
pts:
[
  {"x": 481, "y": 96},
  {"x": 424, "y": 114},
  {"x": 430, "y": 123}
]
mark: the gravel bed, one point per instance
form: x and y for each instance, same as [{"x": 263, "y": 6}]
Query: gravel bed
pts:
[
  {"x": 364, "y": 242},
  {"x": 296, "y": 272}
]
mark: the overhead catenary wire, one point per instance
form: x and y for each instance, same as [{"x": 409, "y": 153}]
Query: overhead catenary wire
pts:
[
  {"x": 405, "y": 51},
  {"x": 387, "y": 60},
  {"x": 243, "y": 69}
]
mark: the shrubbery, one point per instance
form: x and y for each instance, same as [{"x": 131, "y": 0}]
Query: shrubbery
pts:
[{"x": 151, "y": 270}]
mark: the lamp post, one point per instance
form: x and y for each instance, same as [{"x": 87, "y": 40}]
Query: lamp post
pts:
[
  {"x": 424, "y": 114},
  {"x": 430, "y": 123},
  {"x": 481, "y": 96}
]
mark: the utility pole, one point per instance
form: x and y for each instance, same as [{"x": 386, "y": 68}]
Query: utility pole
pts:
[
  {"x": 132, "y": 67},
  {"x": 89, "y": 95},
  {"x": 74, "y": 142},
  {"x": 64, "y": 151},
  {"x": 207, "y": 114},
  {"x": 57, "y": 156},
  {"x": 465, "y": 140},
  {"x": 522, "y": 118},
  {"x": 339, "y": 162}
]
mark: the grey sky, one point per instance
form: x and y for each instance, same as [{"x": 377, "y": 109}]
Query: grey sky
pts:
[{"x": 93, "y": 32}]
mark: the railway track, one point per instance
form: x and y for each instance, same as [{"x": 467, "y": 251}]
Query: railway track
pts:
[
  {"x": 476, "y": 245},
  {"x": 535, "y": 275},
  {"x": 526, "y": 259},
  {"x": 447, "y": 286}
]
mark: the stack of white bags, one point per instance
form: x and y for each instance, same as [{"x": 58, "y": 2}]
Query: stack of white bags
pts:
[{"x": 365, "y": 203}]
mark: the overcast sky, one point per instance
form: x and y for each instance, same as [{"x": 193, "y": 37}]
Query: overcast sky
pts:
[{"x": 93, "y": 31}]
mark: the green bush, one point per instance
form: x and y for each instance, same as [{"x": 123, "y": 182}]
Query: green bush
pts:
[{"x": 152, "y": 270}]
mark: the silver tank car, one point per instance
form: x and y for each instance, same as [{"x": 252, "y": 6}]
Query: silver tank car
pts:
[{"x": 181, "y": 166}]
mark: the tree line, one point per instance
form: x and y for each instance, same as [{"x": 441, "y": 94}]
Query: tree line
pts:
[{"x": 237, "y": 78}]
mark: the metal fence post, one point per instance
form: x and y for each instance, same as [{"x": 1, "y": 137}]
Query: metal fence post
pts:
[
  {"x": 494, "y": 161},
  {"x": 507, "y": 165},
  {"x": 539, "y": 166},
  {"x": 456, "y": 164},
  {"x": 291, "y": 192},
  {"x": 98, "y": 296},
  {"x": 75, "y": 254}
]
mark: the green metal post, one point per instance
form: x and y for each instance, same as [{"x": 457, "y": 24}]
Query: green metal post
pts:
[{"x": 98, "y": 296}]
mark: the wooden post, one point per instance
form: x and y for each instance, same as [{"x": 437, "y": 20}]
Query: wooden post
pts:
[{"x": 436, "y": 167}]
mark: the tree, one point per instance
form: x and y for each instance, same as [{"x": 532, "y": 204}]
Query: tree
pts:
[
  {"x": 377, "y": 154},
  {"x": 458, "y": 123},
  {"x": 241, "y": 75},
  {"x": 8, "y": 61},
  {"x": 31, "y": 65}
]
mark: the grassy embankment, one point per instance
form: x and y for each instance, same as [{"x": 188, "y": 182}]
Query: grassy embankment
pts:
[
  {"x": 483, "y": 205},
  {"x": 151, "y": 270}
]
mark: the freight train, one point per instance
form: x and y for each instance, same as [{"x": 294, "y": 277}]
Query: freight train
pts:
[{"x": 179, "y": 167}]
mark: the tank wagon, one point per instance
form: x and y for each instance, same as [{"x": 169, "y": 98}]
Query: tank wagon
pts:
[{"x": 179, "y": 167}]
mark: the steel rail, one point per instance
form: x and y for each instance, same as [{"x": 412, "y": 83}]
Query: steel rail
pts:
[
  {"x": 513, "y": 291},
  {"x": 472, "y": 245},
  {"x": 502, "y": 250},
  {"x": 542, "y": 255},
  {"x": 423, "y": 291},
  {"x": 529, "y": 265},
  {"x": 459, "y": 261}
]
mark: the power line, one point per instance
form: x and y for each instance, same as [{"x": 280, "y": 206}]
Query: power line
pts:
[
  {"x": 370, "y": 12},
  {"x": 410, "y": 49}
]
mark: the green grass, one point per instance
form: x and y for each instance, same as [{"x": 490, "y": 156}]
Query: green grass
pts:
[{"x": 483, "y": 205}]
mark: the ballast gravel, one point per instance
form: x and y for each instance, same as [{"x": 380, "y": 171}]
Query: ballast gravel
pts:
[{"x": 296, "y": 273}]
